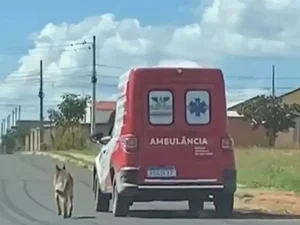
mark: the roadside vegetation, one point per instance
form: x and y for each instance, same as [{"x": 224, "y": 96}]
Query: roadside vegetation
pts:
[
  {"x": 271, "y": 113},
  {"x": 269, "y": 168},
  {"x": 257, "y": 167}
]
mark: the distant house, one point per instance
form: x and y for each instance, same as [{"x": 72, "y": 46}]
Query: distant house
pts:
[
  {"x": 103, "y": 111},
  {"x": 243, "y": 134},
  {"x": 288, "y": 139},
  {"x": 238, "y": 106},
  {"x": 290, "y": 97}
]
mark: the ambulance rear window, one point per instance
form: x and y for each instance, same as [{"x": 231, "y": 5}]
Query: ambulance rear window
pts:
[
  {"x": 160, "y": 107},
  {"x": 197, "y": 107}
]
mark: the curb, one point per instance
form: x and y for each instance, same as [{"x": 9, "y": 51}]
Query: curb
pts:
[
  {"x": 63, "y": 158},
  {"x": 82, "y": 163},
  {"x": 87, "y": 165}
]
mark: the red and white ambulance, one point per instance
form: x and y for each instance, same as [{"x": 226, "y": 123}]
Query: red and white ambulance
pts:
[{"x": 169, "y": 142}]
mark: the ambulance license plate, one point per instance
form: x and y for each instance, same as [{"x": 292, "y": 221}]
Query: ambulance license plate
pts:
[{"x": 164, "y": 172}]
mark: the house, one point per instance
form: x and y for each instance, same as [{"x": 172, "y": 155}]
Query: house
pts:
[
  {"x": 103, "y": 111},
  {"x": 287, "y": 139},
  {"x": 238, "y": 106},
  {"x": 290, "y": 138},
  {"x": 243, "y": 134}
]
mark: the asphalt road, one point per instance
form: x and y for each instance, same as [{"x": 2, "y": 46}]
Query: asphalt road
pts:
[{"x": 26, "y": 198}]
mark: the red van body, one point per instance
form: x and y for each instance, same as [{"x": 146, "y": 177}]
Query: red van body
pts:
[{"x": 169, "y": 142}]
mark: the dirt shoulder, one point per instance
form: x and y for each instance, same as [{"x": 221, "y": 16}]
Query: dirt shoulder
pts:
[
  {"x": 248, "y": 200},
  {"x": 278, "y": 202}
]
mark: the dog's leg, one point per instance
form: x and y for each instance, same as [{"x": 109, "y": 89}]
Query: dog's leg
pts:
[
  {"x": 57, "y": 200},
  {"x": 65, "y": 206},
  {"x": 71, "y": 206}
]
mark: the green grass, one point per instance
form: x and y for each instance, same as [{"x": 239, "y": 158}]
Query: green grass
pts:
[
  {"x": 257, "y": 168},
  {"x": 265, "y": 168}
]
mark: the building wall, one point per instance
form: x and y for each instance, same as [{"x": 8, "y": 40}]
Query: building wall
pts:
[
  {"x": 290, "y": 139},
  {"x": 243, "y": 135},
  {"x": 102, "y": 116},
  {"x": 292, "y": 98},
  {"x": 85, "y": 129},
  {"x": 28, "y": 124},
  {"x": 33, "y": 138}
]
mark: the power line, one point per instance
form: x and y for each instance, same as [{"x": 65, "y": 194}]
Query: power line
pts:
[
  {"x": 47, "y": 47},
  {"x": 3, "y": 101},
  {"x": 34, "y": 76},
  {"x": 34, "y": 73},
  {"x": 263, "y": 77},
  {"x": 228, "y": 88},
  {"x": 53, "y": 84},
  {"x": 13, "y": 53}
]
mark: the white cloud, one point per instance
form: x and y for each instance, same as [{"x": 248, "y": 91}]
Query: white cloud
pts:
[
  {"x": 179, "y": 63},
  {"x": 254, "y": 27},
  {"x": 241, "y": 27}
]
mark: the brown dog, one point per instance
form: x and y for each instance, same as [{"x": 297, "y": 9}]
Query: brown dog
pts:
[{"x": 63, "y": 191}]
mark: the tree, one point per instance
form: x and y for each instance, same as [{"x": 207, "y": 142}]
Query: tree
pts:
[
  {"x": 70, "y": 112},
  {"x": 14, "y": 139},
  {"x": 10, "y": 141},
  {"x": 271, "y": 113}
]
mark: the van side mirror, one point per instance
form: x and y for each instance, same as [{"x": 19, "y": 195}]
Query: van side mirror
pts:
[
  {"x": 96, "y": 137},
  {"x": 105, "y": 140}
]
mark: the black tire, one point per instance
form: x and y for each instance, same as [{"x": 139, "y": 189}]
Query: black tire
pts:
[
  {"x": 224, "y": 204},
  {"x": 101, "y": 199},
  {"x": 196, "y": 205},
  {"x": 120, "y": 205}
]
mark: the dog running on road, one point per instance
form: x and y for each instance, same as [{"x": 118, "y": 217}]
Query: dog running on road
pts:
[{"x": 63, "y": 191}]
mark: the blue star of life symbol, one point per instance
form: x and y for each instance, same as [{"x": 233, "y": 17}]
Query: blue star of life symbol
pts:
[{"x": 197, "y": 107}]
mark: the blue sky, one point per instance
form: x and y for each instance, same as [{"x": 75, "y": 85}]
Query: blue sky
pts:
[{"x": 20, "y": 21}]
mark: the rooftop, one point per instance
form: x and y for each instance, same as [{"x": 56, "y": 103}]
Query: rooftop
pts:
[{"x": 105, "y": 105}]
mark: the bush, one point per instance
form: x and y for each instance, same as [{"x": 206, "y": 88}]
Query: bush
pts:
[
  {"x": 44, "y": 147},
  {"x": 272, "y": 168},
  {"x": 70, "y": 138}
]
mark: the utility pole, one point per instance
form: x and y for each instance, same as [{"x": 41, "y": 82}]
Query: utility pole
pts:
[
  {"x": 13, "y": 118},
  {"x": 8, "y": 122},
  {"x": 41, "y": 96},
  {"x": 16, "y": 115},
  {"x": 273, "y": 80},
  {"x": 19, "y": 114},
  {"x": 273, "y": 94},
  {"x": 94, "y": 82},
  {"x": 2, "y": 128}
]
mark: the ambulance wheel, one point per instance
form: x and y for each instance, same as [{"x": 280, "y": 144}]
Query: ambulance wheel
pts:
[
  {"x": 196, "y": 205},
  {"x": 224, "y": 204},
  {"x": 120, "y": 205},
  {"x": 101, "y": 199}
]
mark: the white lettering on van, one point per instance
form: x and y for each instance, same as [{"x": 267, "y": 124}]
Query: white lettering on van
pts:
[{"x": 178, "y": 141}]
